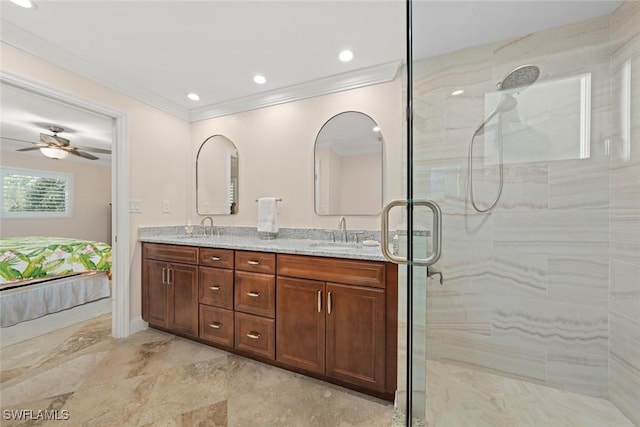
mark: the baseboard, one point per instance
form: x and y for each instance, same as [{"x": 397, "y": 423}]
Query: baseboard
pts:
[{"x": 137, "y": 325}]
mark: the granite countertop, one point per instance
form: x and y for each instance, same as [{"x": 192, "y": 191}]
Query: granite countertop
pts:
[{"x": 309, "y": 243}]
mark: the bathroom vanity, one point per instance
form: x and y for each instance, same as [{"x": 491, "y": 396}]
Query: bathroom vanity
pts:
[{"x": 292, "y": 304}]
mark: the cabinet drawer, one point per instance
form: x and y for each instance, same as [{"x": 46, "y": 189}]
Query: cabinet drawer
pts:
[
  {"x": 220, "y": 258},
  {"x": 255, "y": 293},
  {"x": 216, "y": 325},
  {"x": 352, "y": 272},
  {"x": 172, "y": 253},
  {"x": 216, "y": 287},
  {"x": 257, "y": 262},
  {"x": 255, "y": 334}
]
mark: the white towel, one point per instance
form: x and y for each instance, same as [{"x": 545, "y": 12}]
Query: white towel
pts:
[{"x": 267, "y": 215}]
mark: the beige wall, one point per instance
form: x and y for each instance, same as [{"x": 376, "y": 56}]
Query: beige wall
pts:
[
  {"x": 360, "y": 182},
  {"x": 91, "y": 198},
  {"x": 159, "y": 149},
  {"x": 275, "y": 149}
]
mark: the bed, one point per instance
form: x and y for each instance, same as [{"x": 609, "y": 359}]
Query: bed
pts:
[{"x": 42, "y": 275}]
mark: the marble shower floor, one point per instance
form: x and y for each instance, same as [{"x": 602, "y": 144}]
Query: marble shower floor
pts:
[{"x": 156, "y": 379}]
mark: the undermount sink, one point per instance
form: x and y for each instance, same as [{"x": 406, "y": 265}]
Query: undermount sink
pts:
[{"x": 334, "y": 246}]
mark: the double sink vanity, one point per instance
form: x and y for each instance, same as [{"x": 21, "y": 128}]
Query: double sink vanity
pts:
[{"x": 322, "y": 308}]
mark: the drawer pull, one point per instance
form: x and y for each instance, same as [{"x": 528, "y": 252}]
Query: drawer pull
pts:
[
  {"x": 215, "y": 258},
  {"x": 253, "y": 262},
  {"x": 329, "y": 303},
  {"x": 253, "y": 335},
  {"x": 253, "y": 294},
  {"x": 214, "y": 288},
  {"x": 215, "y": 325},
  {"x": 319, "y": 301}
]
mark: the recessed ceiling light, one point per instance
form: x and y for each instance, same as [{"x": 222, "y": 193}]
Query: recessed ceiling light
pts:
[
  {"x": 193, "y": 96},
  {"x": 457, "y": 92},
  {"x": 346, "y": 55},
  {"x": 28, "y": 4},
  {"x": 259, "y": 79},
  {"x": 376, "y": 128}
]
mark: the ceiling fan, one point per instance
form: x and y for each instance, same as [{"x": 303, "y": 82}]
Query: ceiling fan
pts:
[{"x": 57, "y": 147}]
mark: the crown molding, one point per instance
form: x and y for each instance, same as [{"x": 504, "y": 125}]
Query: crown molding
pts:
[
  {"x": 340, "y": 82},
  {"x": 30, "y": 43}
]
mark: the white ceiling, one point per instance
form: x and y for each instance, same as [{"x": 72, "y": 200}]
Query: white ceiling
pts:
[{"x": 157, "y": 51}]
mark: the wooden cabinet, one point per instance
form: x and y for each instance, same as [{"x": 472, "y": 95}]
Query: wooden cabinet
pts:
[
  {"x": 170, "y": 289},
  {"x": 355, "y": 338},
  {"x": 300, "y": 323},
  {"x": 334, "y": 329},
  {"x": 216, "y": 288},
  {"x": 255, "y": 303},
  {"x": 335, "y": 319}
]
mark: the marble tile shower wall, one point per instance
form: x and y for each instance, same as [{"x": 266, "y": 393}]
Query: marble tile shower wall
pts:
[
  {"x": 624, "y": 214},
  {"x": 527, "y": 290}
]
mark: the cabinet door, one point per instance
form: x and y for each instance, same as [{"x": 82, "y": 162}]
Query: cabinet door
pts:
[
  {"x": 300, "y": 323},
  {"x": 154, "y": 293},
  {"x": 183, "y": 299},
  {"x": 355, "y": 347}
]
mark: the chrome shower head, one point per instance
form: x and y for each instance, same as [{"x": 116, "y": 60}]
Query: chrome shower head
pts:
[
  {"x": 524, "y": 75},
  {"x": 507, "y": 103}
]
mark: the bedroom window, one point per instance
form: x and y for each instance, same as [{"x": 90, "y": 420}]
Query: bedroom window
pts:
[{"x": 27, "y": 193}]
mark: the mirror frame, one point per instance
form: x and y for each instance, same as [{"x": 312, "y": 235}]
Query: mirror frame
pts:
[
  {"x": 382, "y": 169},
  {"x": 197, "y": 180}
]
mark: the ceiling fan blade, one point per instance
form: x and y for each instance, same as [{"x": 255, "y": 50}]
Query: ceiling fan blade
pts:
[
  {"x": 18, "y": 140},
  {"x": 54, "y": 140},
  {"x": 81, "y": 154},
  {"x": 94, "y": 150},
  {"x": 36, "y": 147}
]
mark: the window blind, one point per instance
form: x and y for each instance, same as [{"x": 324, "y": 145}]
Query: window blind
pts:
[{"x": 28, "y": 193}]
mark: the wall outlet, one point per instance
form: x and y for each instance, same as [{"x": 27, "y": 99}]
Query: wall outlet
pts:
[
  {"x": 166, "y": 206},
  {"x": 135, "y": 205}
]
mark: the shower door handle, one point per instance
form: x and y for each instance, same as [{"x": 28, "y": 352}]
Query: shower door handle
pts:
[{"x": 436, "y": 232}]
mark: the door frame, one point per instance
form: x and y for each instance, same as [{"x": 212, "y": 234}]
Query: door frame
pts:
[{"x": 120, "y": 232}]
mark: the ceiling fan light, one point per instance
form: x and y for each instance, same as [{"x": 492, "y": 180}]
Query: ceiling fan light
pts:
[{"x": 54, "y": 153}]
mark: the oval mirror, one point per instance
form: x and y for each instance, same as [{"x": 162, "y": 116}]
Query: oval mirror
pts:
[
  {"x": 348, "y": 166},
  {"x": 217, "y": 177}
]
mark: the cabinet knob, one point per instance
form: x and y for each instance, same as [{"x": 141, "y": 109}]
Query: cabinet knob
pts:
[
  {"x": 253, "y": 262},
  {"x": 253, "y": 294},
  {"x": 253, "y": 335},
  {"x": 215, "y": 258},
  {"x": 215, "y": 325},
  {"x": 214, "y": 288}
]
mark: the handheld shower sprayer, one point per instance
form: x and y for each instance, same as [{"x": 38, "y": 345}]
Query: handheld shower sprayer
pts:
[{"x": 520, "y": 77}]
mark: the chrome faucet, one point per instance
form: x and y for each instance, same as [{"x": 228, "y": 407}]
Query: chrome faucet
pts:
[
  {"x": 210, "y": 225},
  {"x": 343, "y": 227}
]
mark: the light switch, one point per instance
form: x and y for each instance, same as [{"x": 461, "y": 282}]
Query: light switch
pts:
[
  {"x": 135, "y": 205},
  {"x": 166, "y": 206}
]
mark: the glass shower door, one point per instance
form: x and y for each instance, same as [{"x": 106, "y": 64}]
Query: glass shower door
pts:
[{"x": 527, "y": 140}]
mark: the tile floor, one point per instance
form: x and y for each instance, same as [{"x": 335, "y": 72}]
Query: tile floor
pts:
[{"x": 156, "y": 379}]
